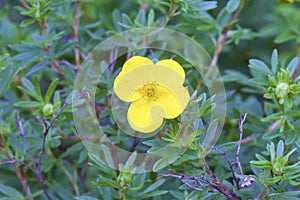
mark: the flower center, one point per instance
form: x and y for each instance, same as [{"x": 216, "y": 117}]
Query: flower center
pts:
[{"x": 149, "y": 91}]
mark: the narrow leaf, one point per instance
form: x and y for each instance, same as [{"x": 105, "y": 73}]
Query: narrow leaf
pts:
[
  {"x": 10, "y": 191},
  {"x": 280, "y": 149},
  {"x": 293, "y": 65},
  {"x": 274, "y": 61},
  {"x": 260, "y": 66},
  {"x": 50, "y": 91},
  {"x": 27, "y": 104}
]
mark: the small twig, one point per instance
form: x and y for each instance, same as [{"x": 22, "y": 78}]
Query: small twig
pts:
[
  {"x": 152, "y": 52},
  {"x": 222, "y": 39},
  {"x": 24, "y": 4},
  {"x": 238, "y": 151},
  {"x": 134, "y": 145},
  {"x": 113, "y": 59},
  {"x": 13, "y": 161},
  {"x": 230, "y": 164},
  {"x": 24, "y": 182},
  {"x": 49, "y": 125},
  {"x": 201, "y": 181},
  {"x": 261, "y": 195},
  {"x": 75, "y": 27},
  {"x": 37, "y": 168},
  {"x": 18, "y": 170},
  {"x": 216, "y": 183},
  {"x": 170, "y": 14},
  {"x": 247, "y": 140},
  {"x": 8, "y": 162},
  {"x": 173, "y": 56},
  {"x": 219, "y": 185},
  {"x": 128, "y": 55}
]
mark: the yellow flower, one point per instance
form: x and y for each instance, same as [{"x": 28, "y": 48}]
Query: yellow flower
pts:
[{"x": 155, "y": 91}]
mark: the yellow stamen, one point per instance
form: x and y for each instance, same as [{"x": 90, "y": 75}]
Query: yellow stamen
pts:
[{"x": 149, "y": 91}]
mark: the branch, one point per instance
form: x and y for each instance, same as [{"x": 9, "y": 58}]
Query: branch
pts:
[
  {"x": 113, "y": 59},
  {"x": 37, "y": 168},
  {"x": 219, "y": 185},
  {"x": 48, "y": 125},
  {"x": 75, "y": 27},
  {"x": 216, "y": 183},
  {"x": 24, "y": 4},
  {"x": 222, "y": 39},
  {"x": 18, "y": 170},
  {"x": 198, "y": 181},
  {"x": 230, "y": 164},
  {"x": 13, "y": 161},
  {"x": 238, "y": 151}
]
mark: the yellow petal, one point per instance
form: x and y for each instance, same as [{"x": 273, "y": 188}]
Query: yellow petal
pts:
[
  {"x": 144, "y": 116},
  {"x": 168, "y": 77},
  {"x": 172, "y": 101},
  {"x": 130, "y": 64},
  {"x": 128, "y": 82},
  {"x": 173, "y": 65},
  {"x": 135, "y": 61}
]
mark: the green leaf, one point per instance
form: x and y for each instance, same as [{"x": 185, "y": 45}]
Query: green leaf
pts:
[
  {"x": 6, "y": 77},
  {"x": 291, "y": 193},
  {"x": 155, "y": 193},
  {"x": 223, "y": 17},
  {"x": 140, "y": 18},
  {"x": 273, "y": 180},
  {"x": 210, "y": 137},
  {"x": 152, "y": 187},
  {"x": 50, "y": 91},
  {"x": 274, "y": 116},
  {"x": 34, "y": 194},
  {"x": 284, "y": 37},
  {"x": 10, "y": 191},
  {"x": 260, "y": 66},
  {"x": 27, "y": 22},
  {"x": 274, "y": 61},
  {"x": 280, "y": 149},
  {"x": 232, "y": 5},
  {"x": 27, "y": 104},
  {"x": 294, "y": 183},
  {"x": 261, "y": 164},
  {"x": 27, "y": 84},
  {"x": 37, "y": 86},
  {"x": 30, "y": 89},
  {"x": 289, "y": 154},
  {"x": 37, "y": 67},
  {"x": 150, "y": 19},
  {"x": 85, "y": 198},
  {"x": 260, "y": 81},
  {"x": 32, "y": 94},
  {"x": 107, "y": 182},
  {"x": 293, "y": 65},
  {"x": 259, "y": 157},
  {"x": 131, "y": 159},
  {"x": 164, "y": 161},
  {"x": 272, "y": 152}
]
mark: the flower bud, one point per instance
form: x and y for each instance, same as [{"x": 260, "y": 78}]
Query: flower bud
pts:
[
  {"x": 282, "y": 90},
  {"x": 48, "y": 109}
]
